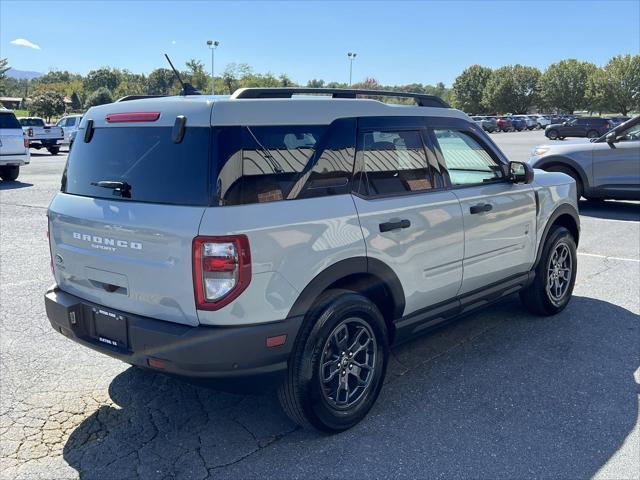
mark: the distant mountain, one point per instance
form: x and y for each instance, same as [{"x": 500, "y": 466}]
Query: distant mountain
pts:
[{"x": 22, "y": 74}]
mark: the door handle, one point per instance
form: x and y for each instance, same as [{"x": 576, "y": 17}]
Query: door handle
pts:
[
  {"x": 483, "y": 207},
  {"x": 388, "y": 226}
]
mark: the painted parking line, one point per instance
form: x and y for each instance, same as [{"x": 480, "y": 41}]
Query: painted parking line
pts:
[{"x": 607, "y": 257}]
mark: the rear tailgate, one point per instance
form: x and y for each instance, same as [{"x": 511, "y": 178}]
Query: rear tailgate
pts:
[
  {"x": 131, "y": 249},
  {"x": 11, "y": 135}
]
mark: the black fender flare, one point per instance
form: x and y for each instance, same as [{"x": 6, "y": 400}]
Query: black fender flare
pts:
[
  {"x": 561, "y": 160},
  {"x": 564, "y": 209},
  {"x": 344, "y": 269}
]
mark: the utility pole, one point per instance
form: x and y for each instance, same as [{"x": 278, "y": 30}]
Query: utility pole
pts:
[
  {"x": 352, "y": 57},
  {"x": 213, "y": 44}
]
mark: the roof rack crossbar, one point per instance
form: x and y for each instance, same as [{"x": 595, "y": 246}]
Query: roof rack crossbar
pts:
[{"x": 421, "y": 99}]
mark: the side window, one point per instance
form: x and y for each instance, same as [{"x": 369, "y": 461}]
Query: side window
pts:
[
  {"x": 267, "y": 164},
  {"x": 393, "y": 162},
  {"x": 71, "y": 121},
  {"x": 631, "y": 134},
  {"x": 467, "y": 162},
  {"x": 62, "y": 123}
]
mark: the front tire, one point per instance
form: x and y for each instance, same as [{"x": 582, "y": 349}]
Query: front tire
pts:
[
  {"x": 54, "y": 150},
  {"x": 338, "y": 363},
  {"x": 9, "y": 173},
  {"x": 552, "y": 134},
  {"x": 555, "y": 275}
]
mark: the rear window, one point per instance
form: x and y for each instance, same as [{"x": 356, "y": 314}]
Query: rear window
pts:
[
  {"x": 8, "y": 120},
  {"x": 156, "y": 169},
  {"x": 32, "y": 122}
]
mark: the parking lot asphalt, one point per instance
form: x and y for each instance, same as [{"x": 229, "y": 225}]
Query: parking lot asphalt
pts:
[{"x": 498, "y": 394}]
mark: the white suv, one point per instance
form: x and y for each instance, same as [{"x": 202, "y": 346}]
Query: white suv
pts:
[
  {"x": 14, "y": 146},
  {"x": 294, "y": 238}
]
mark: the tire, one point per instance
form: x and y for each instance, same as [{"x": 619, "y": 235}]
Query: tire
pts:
[
  {"x": 303, "y": 395},
  {"x": 592, "y": 134},
  {"x": 552, "y": 134},
  {"x": 53, "y": 150},
  {"x": 540, "y": 297},
  {"x": 9, "y": 173},
  {"x": 572, "y": 174}
]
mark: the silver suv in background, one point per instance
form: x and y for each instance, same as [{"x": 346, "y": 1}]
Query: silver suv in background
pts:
[
  {"x": 488, "y": 124},
  {"x": 604, "y": 168},
  {"x": 14, "y": 146},
  {"x": 69, "y": 124},
  {"x": 273, "y": 236}
]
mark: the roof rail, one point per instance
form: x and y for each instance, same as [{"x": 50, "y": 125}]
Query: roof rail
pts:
[
  {"x": 287, "y": 92},
  {"x": 138, "y": 97}
]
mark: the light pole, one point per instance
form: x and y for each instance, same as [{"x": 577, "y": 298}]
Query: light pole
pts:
[
  {"x": 352, "y": 57},
  {"x": 212, "y": 46}
]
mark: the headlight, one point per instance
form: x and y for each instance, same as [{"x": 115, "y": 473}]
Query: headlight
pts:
[{"x": 539, "y": 151}]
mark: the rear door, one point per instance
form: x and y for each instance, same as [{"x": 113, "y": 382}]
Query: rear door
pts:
[
  {"x": 409, "y": 221},
  {"x": 11, "y": 135},
  {"x": 129, "y": 246},
  {"x": 499, "y": 217}
]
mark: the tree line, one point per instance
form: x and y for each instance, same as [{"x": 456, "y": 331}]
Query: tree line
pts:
[{"x": 567, "y": 86}]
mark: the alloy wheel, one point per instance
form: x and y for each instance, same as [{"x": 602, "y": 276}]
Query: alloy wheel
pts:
[{"x": 559, "y": 272}]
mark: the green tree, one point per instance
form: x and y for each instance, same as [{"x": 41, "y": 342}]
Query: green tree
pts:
[
  {"x": 623, "y": 82},
  {"x": 197, "y": 76},
  {"x": 512, "y": 89},
  {"x": 57, "y": 76},
  {"x": 233, "y": 74},
  {"x": 597, "y": 97},
  {"x": 563, "y": 85},
  {"x": 47, "y": 103},
  {"x": 76, "y": 103},
  {"x": 4, "y": 66},
  {"x": 469, "y": 87},
  {"x": 161, "y": 81},
  {"x": 106, "y": 77},
  {"x": 101, "y": 96},
  {"x": 285, "y": 81},
  {"x": 315, "y": 83}
]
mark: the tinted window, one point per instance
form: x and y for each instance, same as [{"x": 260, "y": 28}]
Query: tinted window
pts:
[
  {"x": 393, "y": 162},
  {"x": 146, "y": 158},
  {"x": 32, "y": 122},
  {"x": 266, "y": 164},
  {"x": 71, "y": 121},
  {"x": 466, "y": 160},
  {"x": 8, "y": 120}
]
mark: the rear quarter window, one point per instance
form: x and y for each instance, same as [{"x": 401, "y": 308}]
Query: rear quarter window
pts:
[
  {"x": 32, "y": 122},
  {"x": 146, "y": 158},
  {"x": 9, "y": 121}
]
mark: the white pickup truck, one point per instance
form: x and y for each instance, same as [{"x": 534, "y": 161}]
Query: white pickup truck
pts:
[
  {"x": 14, "y": 146},
  {"x": 41, "y": 135}
]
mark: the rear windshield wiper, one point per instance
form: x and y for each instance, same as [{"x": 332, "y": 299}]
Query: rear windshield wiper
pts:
[{"x": 121, "y": 188}]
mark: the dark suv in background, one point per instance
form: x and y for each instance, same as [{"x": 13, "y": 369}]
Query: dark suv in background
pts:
[{"x": 590, "y": 127}]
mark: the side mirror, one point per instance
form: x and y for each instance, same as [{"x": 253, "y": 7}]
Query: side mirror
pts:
[
  {"x": 520, "y": 172},
  {"x": 611, "y": 137}
]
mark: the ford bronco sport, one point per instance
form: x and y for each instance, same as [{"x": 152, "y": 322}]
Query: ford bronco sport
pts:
[{"x": 294, "y": 237}]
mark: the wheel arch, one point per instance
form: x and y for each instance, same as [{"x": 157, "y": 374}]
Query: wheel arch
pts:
[
  {"x": 560, "y": 161},
  {"x": 565, "y": 216},
  {"x": 367, "y": 276}
]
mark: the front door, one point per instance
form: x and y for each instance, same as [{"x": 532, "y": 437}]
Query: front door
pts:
[
  {"x": 410, "y": 222},
  {"x": 616, "y": 166},
  {"x": 499, "y": 216}
]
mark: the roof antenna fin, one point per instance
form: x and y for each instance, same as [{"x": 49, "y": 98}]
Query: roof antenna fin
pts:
[{"x": 187, "y": 88}]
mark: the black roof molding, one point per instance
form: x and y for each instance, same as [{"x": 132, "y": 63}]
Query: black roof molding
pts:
[
  {"x": 421, "y": 99},
  {"x": 138, "y": 97}
]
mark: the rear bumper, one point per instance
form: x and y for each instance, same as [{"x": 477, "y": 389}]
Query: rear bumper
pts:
[
  {"x": 19, "y": 160},
  {"x": 197, "y": 352}
]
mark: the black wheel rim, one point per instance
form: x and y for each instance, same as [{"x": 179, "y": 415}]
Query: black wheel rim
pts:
[
  {"x": 347, "y": 366},
  {"x": 559, "y": 272}
]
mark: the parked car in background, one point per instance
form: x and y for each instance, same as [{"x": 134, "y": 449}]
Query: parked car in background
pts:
[
  {"x": 504, "y": 124},
  {"x": 488, "y": 124},
  {"x": 615, "y": 121},
  {"x": 41, "y": 135},
  {"x": 68, "y": 124},
  {"x": 543, "y": 121},
  {"x": 14, "y": 146},
  {"x": 590, "y": 127},
  {"x": 607, "y": 167},
  {"x": 518, "y": 123},
  {"x": 530, "y": 122}
]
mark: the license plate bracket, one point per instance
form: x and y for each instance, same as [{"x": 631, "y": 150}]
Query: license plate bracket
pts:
[{"x": 110, "y": 328}]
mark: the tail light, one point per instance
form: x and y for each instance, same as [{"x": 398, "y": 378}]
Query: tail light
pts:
[
  {"x": 26, "y": 141},
  {"x": 49, "y": 242},
  {"x": 30, "y": 132},
  {"x": 221, "y": 270}
]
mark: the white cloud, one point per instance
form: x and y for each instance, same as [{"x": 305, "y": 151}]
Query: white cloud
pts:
[
  {"x": 23, "y": 42},
  {"x": 173, "y": 42}
]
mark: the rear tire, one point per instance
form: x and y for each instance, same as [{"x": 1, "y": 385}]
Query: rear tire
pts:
[
  {"x": 338, "y": 363},
  {"x": 9, "y": 173},
  {"x": 592, "y": 134},
  {"x": 555, "y": 275},
  {"x": 54, "y": 150},
  {"x": 552, "y": 134}
]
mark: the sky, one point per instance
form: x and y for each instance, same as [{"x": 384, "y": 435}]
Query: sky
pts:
[{"x": 396, "y": 42}]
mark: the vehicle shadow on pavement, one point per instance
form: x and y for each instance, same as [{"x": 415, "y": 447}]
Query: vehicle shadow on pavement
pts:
[
  {"x": 14, "y": 185},
  {"x": 619, "y": 210},
  {"x": 499, "y": 394}
]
